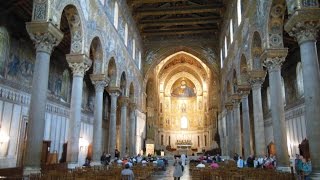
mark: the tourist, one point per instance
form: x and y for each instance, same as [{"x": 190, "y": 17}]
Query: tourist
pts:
[
  {"x": 235, "y": 157},
  {"x": 240, "y": 162},
  {"x": 183, "y": 159},
  {"x": 218, "y": 158},
  {"x": 250, "y": 161},
  {"x": 87, "y": 163},
  {"x": 116, "y": 153},
  {"x": 306, "y": 169},
  {"x": 201, "y": 165},
  {"x": 177, "y": 173},
  {"x": 127, "y": 172},
  {"x": 214, "y": 165},
  {"x": 298, "y": 165},
  {"x": 103, "y": 158}
]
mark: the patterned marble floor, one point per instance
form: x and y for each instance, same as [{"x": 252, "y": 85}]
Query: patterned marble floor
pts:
[{"x": 167, "y": 175}]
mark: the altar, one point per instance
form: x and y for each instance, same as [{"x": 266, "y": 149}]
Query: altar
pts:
[{"x": 184, "y": 144}]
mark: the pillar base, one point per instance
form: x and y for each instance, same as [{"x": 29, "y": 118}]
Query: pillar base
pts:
[
  {"x": 284, "y": 168},
  {"x": 315, "y": 175},
  {"x": 95, "y": 163},
  {"x": 31, "y": 170},
  {"x": 72, "y": 165}
]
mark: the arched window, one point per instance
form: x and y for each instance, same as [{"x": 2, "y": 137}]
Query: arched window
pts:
[
  {"x": 116, "y": 15},
  {"x": 184, "y": 122},
  {"x": 283, "y": 91},
  {"x": 299, "y": 79},
  {"x": 126, "y": 34},
  {"x": 221, "y": 59},
  {"x": 133, "y": 49},
  {"x": 225, "y": 47},
  {"x": 239, "y": 13},
  {"x": 139, "y": 56},
  {"x": 231, "y": 31}
]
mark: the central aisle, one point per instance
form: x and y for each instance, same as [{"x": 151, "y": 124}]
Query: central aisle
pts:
[{"x": 167, "y": 175}]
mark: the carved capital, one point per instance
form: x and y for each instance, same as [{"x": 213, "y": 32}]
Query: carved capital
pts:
[
  {"x": 273, "y": 58},
  {"x": 304, "y": 24},
  {"x": 114, "y": 91},
  {"x": 229, "y": 106},
  {"x": 100, "y": 81},
  {"x": 236, "y": 99},
  {"x": 244, "y": 90},
  {"x": 124, "y": 101},
  {"x": 79, "y": 63},
  {"x": 45, "y": 35},
  {"x": 133, "y": 106},
  {"x": 256, "y": 77}
]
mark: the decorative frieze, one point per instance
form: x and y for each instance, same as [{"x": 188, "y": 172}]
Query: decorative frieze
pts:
[{"x": 14, "y": 96}]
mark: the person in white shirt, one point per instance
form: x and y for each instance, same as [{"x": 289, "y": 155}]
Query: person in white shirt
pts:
[
  {"x": 201, "y": 165},
  {"x": 240, "y": 162}
]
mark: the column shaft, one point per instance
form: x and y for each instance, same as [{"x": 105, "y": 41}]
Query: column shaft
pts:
[
  {"x": 36, "y": 121},
  {"x": 237, "y": 129},
  {"x": 123, "y": 131},
  {"x": 246, "y": 127},
  {"x": 132, "y": 132},
  {"x": 112, "y": 125},
  {"x": 278, "y": 119},
  {"x": 97, "y": 125},
  {"x": 259, "y": 136},
  {"x": 311, "y": 82},
  {"x": 75, "y": 120}
]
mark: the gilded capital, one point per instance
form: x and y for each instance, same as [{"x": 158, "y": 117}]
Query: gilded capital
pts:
[
  {"x": 256, "y": 77},
  {"x": 124, "y": 101},
  {"x": 45, "y": 35},
  {"x": 114, "y": 91},
  {"x": 244, "y": 90},
  {"x": 273, "y": 58},
  {"x": 79, "y": 63},
  {"x": 100, "y": 81},
  {"x": 236, "y": 98},
  {"x": 229, "y": 106},
  {"x": 304, "y": 24}
]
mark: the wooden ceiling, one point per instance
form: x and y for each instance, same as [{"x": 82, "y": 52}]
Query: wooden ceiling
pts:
[{"x": 177, "y": 17}]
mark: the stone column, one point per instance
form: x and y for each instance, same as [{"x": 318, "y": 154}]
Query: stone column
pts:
[
  {"x": 123, "y": 132},
  {"x": 100, "y": 81},
  {"x": 237, "y": 124},
  {"x": 273, "y": 59},
  {"x": 132, "y": 133},
  {"x": 304, "y": 25},
  {"x": 114, "y": 92},
  {"x": 229, "y": 140},
  {"x": 45, "y": 36},
  {"x": 248, "y": 150},
  {"x": 256, "y": 80},
  {"x": 79, "y": 64}
]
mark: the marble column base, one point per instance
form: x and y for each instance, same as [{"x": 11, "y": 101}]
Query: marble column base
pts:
[
  {"x": 95, "y": 163},
  {"x": 72, "y": 165},
  {"x": 315, "y": 175},
  {"x": 284, "y": 168},
  {"x": 31, "y": 170}
]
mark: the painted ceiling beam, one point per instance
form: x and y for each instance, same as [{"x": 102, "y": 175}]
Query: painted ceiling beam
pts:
[
  {"x": 177, "y": 10},
  {"x": 179, "y": 21}
]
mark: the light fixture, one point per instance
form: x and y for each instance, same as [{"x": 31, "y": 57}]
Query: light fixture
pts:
[{"x": 83, "y": 143}]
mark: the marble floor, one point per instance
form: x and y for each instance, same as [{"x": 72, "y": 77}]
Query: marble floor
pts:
[{"x": 167, "y": 175}]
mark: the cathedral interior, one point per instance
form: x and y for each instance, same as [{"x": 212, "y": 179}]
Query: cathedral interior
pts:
[{"x": 79, "y": 78}]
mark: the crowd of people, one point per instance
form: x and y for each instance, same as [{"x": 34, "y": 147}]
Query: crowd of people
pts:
[{"x": 302, "y": 165}]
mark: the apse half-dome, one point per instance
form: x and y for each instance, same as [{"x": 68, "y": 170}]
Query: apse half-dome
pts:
[{"x": 183, "y": 87}]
